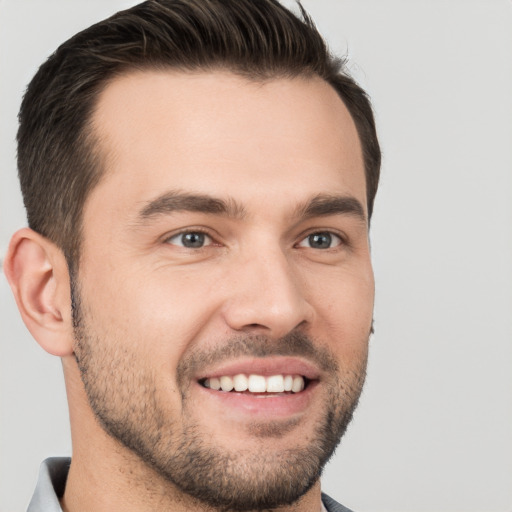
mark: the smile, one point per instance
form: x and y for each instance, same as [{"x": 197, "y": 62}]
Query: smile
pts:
[
  {"x": 260, "y": 388},
  {"x": 254, "y": 383}
]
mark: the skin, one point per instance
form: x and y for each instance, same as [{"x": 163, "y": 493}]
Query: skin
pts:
[{"x": 151, "y": 304}]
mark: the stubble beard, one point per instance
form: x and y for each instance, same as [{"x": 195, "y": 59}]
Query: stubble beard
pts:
[{"x": 131, "y": 409}]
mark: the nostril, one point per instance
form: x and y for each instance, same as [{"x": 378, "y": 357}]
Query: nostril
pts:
[
  {"x": 267, "y": 311},
  {"x": 253, "y": 328}
]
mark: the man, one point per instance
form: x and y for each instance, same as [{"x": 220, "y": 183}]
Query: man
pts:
[{"x": 198, "y": 177}]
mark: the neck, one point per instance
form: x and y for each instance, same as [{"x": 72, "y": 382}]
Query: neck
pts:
[{"x": 110, "y": 484}]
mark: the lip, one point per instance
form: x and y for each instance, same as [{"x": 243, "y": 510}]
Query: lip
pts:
[
  {"x": 260, "y": 407},
  {"x": 265, "y": 366},
  {"x": 265, "y": 408}
]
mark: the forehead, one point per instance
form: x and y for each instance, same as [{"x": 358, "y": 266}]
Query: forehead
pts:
[{"x": 221, "y": 133}]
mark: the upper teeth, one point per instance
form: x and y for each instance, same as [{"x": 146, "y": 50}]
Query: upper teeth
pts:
[{"x": 257, "y": 383}]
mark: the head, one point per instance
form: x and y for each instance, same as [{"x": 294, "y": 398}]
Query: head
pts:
[
  {"x": 58, "y": 160},
  {"x": 207, "y": 172}
]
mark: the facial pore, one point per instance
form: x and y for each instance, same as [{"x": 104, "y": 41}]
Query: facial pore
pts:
[{"x": 125, "y": 399}]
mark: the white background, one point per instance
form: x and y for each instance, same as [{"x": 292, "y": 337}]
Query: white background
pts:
[{"x": 434, "y": 429}]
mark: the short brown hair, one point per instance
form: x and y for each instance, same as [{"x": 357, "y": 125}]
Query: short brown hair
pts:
[{"x": 58, "y": 159}]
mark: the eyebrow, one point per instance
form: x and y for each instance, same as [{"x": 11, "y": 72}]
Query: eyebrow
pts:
[
  {"x": 176, "y": 201},
  {"x": 324, "y": 205}
]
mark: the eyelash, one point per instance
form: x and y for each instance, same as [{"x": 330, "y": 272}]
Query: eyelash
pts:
[
  {"x": 331, "y": 234},
  {"x": 304, "y": 238},
  {"x": 191, "y": 231}
]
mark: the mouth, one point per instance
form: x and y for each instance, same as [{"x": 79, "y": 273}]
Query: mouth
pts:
[
  {"x": 260, "y": 389},
  {"x": 260, "y": 386},
  {"x": 286, "y": 383}
]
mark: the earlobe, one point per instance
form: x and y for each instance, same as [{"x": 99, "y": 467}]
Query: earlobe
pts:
[{"x": 38, "y": 274}]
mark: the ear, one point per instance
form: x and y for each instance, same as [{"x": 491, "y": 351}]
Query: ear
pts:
[{"x": 38, "y": 274}]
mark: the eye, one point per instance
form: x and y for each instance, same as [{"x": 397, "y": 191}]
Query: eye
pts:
[
  {"x": 321, "y": 240},
  {"x": 190, "y": 240}
]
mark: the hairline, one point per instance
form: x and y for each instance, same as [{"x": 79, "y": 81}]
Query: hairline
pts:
[{"x": 98, "y": 152}]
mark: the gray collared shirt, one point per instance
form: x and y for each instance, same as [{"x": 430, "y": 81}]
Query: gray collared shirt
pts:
[
  {"x": 52, "y": 481},
  {"x": 50, "y": 485}
]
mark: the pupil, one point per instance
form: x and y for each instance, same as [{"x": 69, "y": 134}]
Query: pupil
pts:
[
  {"x": 193, "y": 240},
  {"x": 320, "y": 240}
]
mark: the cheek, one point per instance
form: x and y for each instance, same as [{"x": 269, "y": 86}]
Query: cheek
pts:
[
  {"x": 156, "y": 314},
  {"x": 344, "y": 308}
]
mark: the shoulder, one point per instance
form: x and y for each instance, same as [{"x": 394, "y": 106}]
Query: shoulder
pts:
[{"x": 332, "y": 505}]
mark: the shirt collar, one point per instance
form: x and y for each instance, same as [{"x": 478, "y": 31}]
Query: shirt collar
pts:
[{"x": 53, "y": 473}]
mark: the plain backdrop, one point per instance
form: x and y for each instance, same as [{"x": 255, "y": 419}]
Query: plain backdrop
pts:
[{"x": 433, "y": 431}]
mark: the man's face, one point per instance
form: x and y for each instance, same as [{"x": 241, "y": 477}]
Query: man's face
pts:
[{"x": 226, "y": 245}]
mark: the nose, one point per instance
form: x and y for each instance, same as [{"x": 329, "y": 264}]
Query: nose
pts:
[{"x": 267, "y": 296}]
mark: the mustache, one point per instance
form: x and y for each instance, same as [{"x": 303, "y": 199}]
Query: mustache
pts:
[{"x": 293, "y": 344}]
